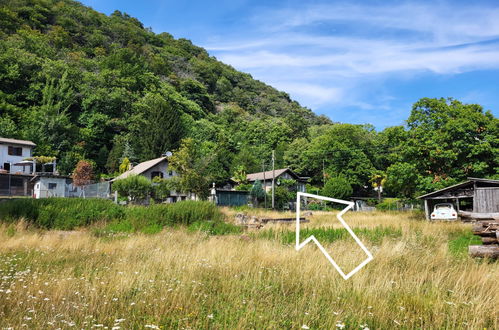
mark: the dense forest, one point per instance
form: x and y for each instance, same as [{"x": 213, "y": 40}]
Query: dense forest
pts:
[{"x": 83, "y": 85}]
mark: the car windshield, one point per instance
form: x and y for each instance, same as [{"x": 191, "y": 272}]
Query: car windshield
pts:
[{"x": 443, "y": 207}]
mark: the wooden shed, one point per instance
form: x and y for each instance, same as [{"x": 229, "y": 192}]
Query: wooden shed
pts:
[{"x": 474, "y": 198}]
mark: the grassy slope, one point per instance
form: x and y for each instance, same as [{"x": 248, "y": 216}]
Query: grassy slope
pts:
[{"x": 181, "y": 279}]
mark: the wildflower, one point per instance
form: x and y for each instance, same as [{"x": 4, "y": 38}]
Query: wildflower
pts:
[
  {"x": 340, "y": 325},
  {"x": 152, "y": 326},
  {"x": 304, "y": 327},
  {"x": 210, "y": 316}
]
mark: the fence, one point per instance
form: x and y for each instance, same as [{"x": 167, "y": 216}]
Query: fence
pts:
[
  {"x": 15, "y": 185},
  {"x": 95, "y": 190}
]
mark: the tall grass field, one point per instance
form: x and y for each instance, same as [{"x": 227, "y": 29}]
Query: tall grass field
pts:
[{"x": 107, "y": 272}]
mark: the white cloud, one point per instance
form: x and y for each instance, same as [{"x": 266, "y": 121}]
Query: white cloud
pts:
[{"x": 324, "y": 54}]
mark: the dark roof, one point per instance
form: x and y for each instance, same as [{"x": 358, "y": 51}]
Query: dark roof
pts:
[
  {"x": 268, "y": 175},
  {"x": 468, "y": 182},
  {"x": 15, "y": 141}
]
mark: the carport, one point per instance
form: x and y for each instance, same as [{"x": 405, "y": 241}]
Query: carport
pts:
[{"x": 475, "y": 198}]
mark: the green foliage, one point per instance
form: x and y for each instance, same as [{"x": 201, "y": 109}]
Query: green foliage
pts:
[
  {"x": 193, "y": 164},
  {"x": 402, "y": 179},
  {"x": 83, "y": 85},
  {"x": 282, "y": 197},
  {"x": 124, "y": 166},
  {"x": 70, "y": 213},
  {"x": 60, "y": 213},
  {"x": 459, "y": 242},
  {"x": 215, "y": 228},
  {"x": 136, "y": 187},
  {"x": 388, "y": 204},
  {"x": 337, "y": 187},
  {"x": 257, "y": 191},
  {"x": 161, "y": 188},
  {"x": 331, "y": 235}
]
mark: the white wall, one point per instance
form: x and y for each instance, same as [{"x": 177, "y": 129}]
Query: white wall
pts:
[
  {"x": 41, "y": 189},
  {"x": 6, "y": 158},
  {"x": 161, "y": 167}
]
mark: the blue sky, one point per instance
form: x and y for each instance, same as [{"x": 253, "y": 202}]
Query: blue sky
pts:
[{"x": 356, "y": 62}]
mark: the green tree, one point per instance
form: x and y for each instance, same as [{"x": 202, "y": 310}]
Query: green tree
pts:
[
  {"x": 449, "y": 141},
  {"x": 193, "y": 168},
  {"x": 157, "y": 128},
  {"x": 257, "y": 192},
  {"x": 402, "y": 179},
  {"x": 337, "y": 187},
  {"x": 135, "y": 187}
]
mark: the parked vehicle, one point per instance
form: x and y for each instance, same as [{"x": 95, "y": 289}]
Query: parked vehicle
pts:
[{"x": 444, "y": 211}]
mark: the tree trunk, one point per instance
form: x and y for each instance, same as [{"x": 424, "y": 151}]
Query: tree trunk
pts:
[
  {"x": 484, "y": 251},
  {"x": 489, "y": 240}
]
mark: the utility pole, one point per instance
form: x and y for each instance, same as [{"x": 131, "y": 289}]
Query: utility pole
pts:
[
  {"x": 273, "y": 179},
  {"x": 323, "y": 174},
  {"x": 264, "y": 184}
]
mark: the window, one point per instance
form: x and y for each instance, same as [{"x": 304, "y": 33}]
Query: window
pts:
[
  {"x": 156, "y": 174},
  {"x": 170, "y": 173},
  {"x": 52, "y": 185},
  {"x": 15, "y": 151}
]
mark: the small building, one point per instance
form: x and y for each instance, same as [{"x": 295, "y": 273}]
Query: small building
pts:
[
  {"x": 474, "y": 198},
  {"x": 13, "y": 153},
  {"x": 155, "y": 168},
  {"x": 284, "y": 173},
  {"x": 47, "y": 185}
]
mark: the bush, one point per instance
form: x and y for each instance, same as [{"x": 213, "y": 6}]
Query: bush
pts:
[
  {"x": 60, "y": 213},
  {"x": 337, "y": 187},
  {"x": 388, "y": 204},
  {"x": 69, "y": 213},
  {"x": 136, "y": 187}
]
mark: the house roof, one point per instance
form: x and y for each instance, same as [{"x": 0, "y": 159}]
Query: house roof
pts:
[
  {"x": 268, "y": 175},
  {"x": 468, "y": 182},
  {"x": 140, "y": 168},
  {"x": 15, "y": 141}
]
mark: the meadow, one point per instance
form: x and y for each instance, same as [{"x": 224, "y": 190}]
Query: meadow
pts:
[{"x": 187, "y": 278}]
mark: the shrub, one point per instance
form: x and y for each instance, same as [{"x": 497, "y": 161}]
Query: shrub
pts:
[
  {"x": 187, "y": 212},
  {"x": 60, "y": 213},
  {"x": 387, "y": 204},
  {"x": 69, "y": 213},
  {"x": 282, "y": 197},
  {"x": 136, "y": 187},
  {"x": 337, "y": 187}
]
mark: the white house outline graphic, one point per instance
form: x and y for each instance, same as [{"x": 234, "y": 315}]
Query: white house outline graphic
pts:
[{"x": 312, "y": 237}]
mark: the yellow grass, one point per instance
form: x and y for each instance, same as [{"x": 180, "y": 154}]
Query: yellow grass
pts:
[{"x": 177, "y": 279}]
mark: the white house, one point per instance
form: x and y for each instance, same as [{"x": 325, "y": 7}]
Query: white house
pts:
[
  {"x": 156, "y": 168},
  {"x": 12, "y": 155},
  {"x": 284, "y": 173}
]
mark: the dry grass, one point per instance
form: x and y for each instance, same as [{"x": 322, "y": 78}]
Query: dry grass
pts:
[{"x": 179, "y": 280}]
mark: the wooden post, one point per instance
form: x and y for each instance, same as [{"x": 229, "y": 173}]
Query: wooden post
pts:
[{"x": 426, "y": 209}]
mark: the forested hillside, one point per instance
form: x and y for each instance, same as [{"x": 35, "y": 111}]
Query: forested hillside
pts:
[{"x": 83, "y": 85}]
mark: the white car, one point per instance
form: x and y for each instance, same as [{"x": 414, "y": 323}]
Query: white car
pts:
[{"x": 444, "y": 211}]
